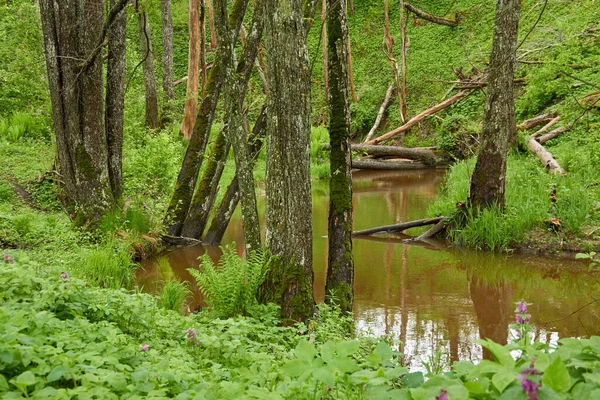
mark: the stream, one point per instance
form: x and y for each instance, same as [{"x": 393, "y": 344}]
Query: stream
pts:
[{"x": 434, "y": 298}]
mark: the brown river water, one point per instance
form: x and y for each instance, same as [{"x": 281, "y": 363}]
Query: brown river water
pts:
[{"x": 432, "y": 297}]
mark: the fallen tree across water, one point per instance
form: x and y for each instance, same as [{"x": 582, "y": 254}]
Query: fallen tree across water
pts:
[
  {"x": 395, "y": 164},
  {"x": 398, "y": 227}
]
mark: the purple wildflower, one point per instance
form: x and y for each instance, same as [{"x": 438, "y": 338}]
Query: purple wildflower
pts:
[
  {"x": 64, "y": 275},
  {"x": 144, "y": 347},
  {"x": 191, "y": 334},
  {"x": 443, "y": 395},
  {"x": 529, "y": 386},
  {"x": 522, "y": 320},
  {"x": 8, "y": 259},
  {"x": 521, "y": 307}
]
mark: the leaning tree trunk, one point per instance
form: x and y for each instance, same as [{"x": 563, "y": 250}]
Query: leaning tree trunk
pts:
[
  {"x": 71, "y": 31},
  {"x": 194, "y": 155},
  {"x": 167, "y": 60},
  {"x": 289, "y": 283},
  {"x": 340, "y": 270},
  {"x": 191, "y": 96},
  {"x": 488, "y": 179},
  {"x": 115, "y": 100},
  {"x": 148, "y": 67}
]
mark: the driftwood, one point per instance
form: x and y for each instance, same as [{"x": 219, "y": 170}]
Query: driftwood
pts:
[
  {"x": 180, "y": 240},
  {"x": 398, "y": 227},
  {"x": 545, "y": 156},
  {"x": 384, "y": 106},
  {"x": 418, "y": 118},
  {"x": 552, "y": 134},
  {"x": 395, "y": 164},
  {"x": 530, "y": 123},
  {"x": 430, "y": 17}
]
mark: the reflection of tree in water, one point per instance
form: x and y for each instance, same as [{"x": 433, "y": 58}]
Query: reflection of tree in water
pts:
[{"x": 492, "y": 303}]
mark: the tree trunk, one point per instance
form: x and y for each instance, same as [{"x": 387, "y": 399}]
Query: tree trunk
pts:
[
  {"x": 340, "y": 267},
  {"x": 167, "y": 60},
  {"x": 324, "y": 47},
  {"x": 203, "y": 66},
  {"x": 191, "y": 95},
  {"x": 194, "y": 155},
  {"x": 71, "y": 32},
  {"x": 211, "y": 24},
  {"x": 219, "y": 224},
  {"x": 403, "y": 46},
  {"x": 115, "y": 100},
  {"x": 148, "y": 66},
  {"x": 499, "y": 127},
  {"x": 289, "y": 283},
  {"x": 387, "y": 101}
]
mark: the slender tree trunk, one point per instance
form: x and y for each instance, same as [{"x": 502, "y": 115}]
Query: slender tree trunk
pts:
[
  {"x": 148, "y": 66},
  {"x": 71, "y": 31},
  {"x": 203, "y": 41},
  {"x": 350, "y": 67},
  {"x": 340, "y": 269},
  {"x": 488, "y": 179},
  {"x": 191, "y": 96},
  {"x": 211, "y": 24},
  {"x": 289, "y": 283},
  {"x": 167, "y": 60},
  {"x": 219, "y": 224},
  {"x": 389, "y": 44},
  {"x": 324, "y": 47},
  {"x": 115, "y": 100},
  {"x": 194, "y": 155},
  {"x": 402, "y": 88}
]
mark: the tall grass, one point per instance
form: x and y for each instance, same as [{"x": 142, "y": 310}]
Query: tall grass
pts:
[
  {"x": 107, "y": 267},
  {"x": 173, "y": 295}
]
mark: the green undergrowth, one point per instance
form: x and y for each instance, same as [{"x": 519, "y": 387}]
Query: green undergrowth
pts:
[{"x": 62, "y": 339}]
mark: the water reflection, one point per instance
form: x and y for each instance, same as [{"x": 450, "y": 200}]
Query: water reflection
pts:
[{"x": 429, "y": 296}]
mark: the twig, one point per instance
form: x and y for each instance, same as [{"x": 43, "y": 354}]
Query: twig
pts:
[{"x": 573, "y": 313}]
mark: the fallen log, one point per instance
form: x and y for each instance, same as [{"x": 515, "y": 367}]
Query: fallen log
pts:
[
  {"x": 544, "y": 128},
  {"x": 180, "y": 240},
  {"x": 387, "y": 101},
  {"x": 530, "y": 123},
  {"x": 395, "y": 164},
  {"x": 553, "y": 133},
  {"x": 428, "y": 156},
  {"x": 398, "y": 227},
  {"x": 432, "y": 18},
  {"x": 418, "y": 118},
  {"x": 545, "y": 156},
  {"x": 433, "y": 231}
]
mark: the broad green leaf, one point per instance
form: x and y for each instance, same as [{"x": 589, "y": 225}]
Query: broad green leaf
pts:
[
  {"x": 501, "y": 353},
  {"x": 295, "y": 368},
  {"x": 117, "y": 381},
  {"x": 545, "y": 393},
  {"x": 326, "y": 376},
  {"x": 557, "y": 376},
  {"x": 57, "y": 373},
  {"x": 385, "y": 393},
  {"x": 463, "y": 367},
  {"x": 46, "y": 393},
  {"x": 396, "y": 373},
  {"x": 514, "y": 393},
  {"x": 412, "y": 380},
  {"x": 383, "y": 351},
  {"x": 502, "y": 379},
  {"x": 140, "y": 375},
  {"x": 457, "y": 392},
  {"x": 3, "y": 382},
  {"x": 474, "y": 387},
  {"x": 592, "y": 378},
  {"x": 363, "y": 376},
  {"x": 347, "y": 347},
  {"x": 25, "y": 379},
  {"x": 305, "y": 351}
]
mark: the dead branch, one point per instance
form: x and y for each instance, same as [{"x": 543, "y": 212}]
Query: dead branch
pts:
[
  {"x": 540, "y": 119},
  {"x": 433, "y": 231},
  {"x": 180, "y": 81},
  {"x": 545, "y": 156},
  {"x": 418, "y": 118},
  {"x": 387, "y": 101},
  {"x": 398, "y": 227},
  {"x": 432, "y": 18},
  {"x": 544, "y": 128},
  {"x": 553, "y": 133}
]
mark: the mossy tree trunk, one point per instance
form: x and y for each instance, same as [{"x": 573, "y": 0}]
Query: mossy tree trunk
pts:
[
  {"x": 167, "y": 60},
  {"x": 340, "y": 271},
  {"x": 488, "y": 179},
  {"x": 204, "y": 197},
  {"x": 148, "y": 66},
  {"x": 72, "y": 30},
  {"x": 289, "y": 283},
  {"x": 192, "y": 161},
  {"x": 115, "y": 99}
]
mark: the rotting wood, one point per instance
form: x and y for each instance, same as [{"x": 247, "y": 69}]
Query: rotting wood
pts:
[
  {"x": 530, "y": 123},
  {"x": 418, "y": 118},
  {"x": 387, "y": 101},
  {"x": 398, "y": 227},
  {"x": 544, "y": 128},
  {"x": 553, "y": 133},
  {"x": 395, "y": 165},
  {"x": 545, "y": 156},
  {"x": 432, "y": 18},
  {"x": 180, "y": 240}
]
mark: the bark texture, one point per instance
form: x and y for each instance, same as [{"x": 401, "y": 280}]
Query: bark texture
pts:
[
  {"x": 194, "y": 155},
  {"x": 289, "y": 283},
  {"x": 115, "y": 99},
  {"x": 339, "y": 286},
  {"x": 191, "y": 94},
  {"x": 71, "y": 30},
  {"x": 167, "y": 59},
  {"x": 499, "y": 127},
  {"x": 148, "y": 67}
]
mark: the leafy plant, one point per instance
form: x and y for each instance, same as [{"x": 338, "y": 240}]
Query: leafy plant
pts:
[
  {"x": 594, "y": 262},
  {"x": 232, "y": 286},
  {"x": 173, "y": 295}
]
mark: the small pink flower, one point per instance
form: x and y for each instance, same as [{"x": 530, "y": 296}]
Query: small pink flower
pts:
[
  {"x": 521, "y": 307},
  {"x": 8, "y": 259},
  {"x": 144, "y": 347},
  {"x": 64, "y": 275},
  {"x": 443, "y": 395}
]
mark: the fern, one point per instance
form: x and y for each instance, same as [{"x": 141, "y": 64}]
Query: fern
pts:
[{"x": 231, "y": 287}]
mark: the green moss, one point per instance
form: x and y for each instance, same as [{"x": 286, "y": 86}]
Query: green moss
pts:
[{"x": 85, "y": 166}]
